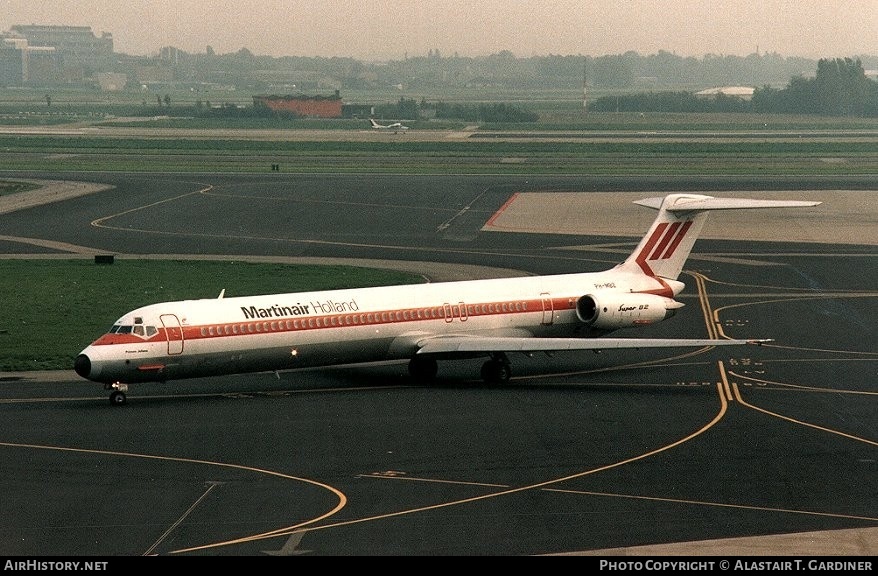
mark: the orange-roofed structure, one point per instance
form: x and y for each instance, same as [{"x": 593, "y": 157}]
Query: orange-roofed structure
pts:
[{"x": 301, "y": 105}]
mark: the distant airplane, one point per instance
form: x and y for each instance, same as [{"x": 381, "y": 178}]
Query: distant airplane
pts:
[
  {"x": 421, "y": 323},
  {"x": 395, "y": 127}
]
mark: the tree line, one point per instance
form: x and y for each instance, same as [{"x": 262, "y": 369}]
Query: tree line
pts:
[
  {"x": 485, "y": 112},
  {"x": 662, "y": 70},
  {"x": 839, "y": 88}
]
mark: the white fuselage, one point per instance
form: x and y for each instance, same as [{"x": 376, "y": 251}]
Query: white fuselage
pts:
[{"x": 282, "y": 331}]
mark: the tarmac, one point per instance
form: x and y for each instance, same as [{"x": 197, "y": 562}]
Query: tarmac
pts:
[{"x": 856, "y": 208}]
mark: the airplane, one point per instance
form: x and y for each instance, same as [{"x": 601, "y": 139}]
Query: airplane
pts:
[
  {"x": 420, "y": 323},
  {"x": 396, "y": 126}
]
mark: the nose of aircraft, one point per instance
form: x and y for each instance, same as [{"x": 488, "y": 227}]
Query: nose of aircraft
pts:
[{"x": 82, "y": 365}]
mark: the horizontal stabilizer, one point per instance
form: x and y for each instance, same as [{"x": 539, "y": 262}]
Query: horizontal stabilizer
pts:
[
  {"x": 662, "y": 253},
  {"x": 689, "y": 204},
  {"x": 453, "y": 344}
]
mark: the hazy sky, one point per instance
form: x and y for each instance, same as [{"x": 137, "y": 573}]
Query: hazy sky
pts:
[{"x": 393, "y": 29}]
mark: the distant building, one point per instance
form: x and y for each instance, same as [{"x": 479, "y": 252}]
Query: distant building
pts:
[
  {"x": 111, "y": 81},
  {"x": 742, "y": 92},
  {"x": 78, "y": 52},
  {"x": 11, "y": 63},
  {"x": 77, "y": 45},
  {"x": 305, "y": 106},
  {"x": 42, "y": 66}
]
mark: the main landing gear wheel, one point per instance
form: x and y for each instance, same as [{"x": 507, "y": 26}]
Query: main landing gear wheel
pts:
[
  {"x": 423, "y": 369},
  {"x": 496, "y": 370}
]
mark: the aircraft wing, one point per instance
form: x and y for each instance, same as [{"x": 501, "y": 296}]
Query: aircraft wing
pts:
[{"x": 452, "y": 344}]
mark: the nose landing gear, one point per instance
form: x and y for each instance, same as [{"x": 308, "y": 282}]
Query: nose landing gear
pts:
[{"x": 117, "y": 396}]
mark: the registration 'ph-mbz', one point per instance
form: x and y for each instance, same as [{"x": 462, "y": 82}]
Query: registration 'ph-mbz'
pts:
[{"x": 421, "y": 323}]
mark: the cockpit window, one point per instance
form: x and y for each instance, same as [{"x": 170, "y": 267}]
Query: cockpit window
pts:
[{"x": 139, "y": 330}]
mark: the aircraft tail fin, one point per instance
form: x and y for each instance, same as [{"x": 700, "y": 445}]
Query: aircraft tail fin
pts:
[{"x": 664, "y": 249}]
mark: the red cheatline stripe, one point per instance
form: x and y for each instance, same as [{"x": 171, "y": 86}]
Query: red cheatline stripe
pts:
[
  {"x": 262, "y": 326},
  {"x": 656, "y": 254},
  {"x": 641, "y": 258},
  {"x": 677, "y": 239},
  {"x": 665, "y": 290}
]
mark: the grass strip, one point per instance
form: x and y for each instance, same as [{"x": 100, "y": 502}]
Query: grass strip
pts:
[{"x": 57, "y": 307}]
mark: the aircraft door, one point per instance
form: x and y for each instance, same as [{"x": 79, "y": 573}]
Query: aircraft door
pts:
[
  {"x": 173, "y": 332},
  {"x": 548, "y": 309}
]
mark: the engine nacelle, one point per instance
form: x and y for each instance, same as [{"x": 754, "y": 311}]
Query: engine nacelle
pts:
[{"x": 620, "y": 310}]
